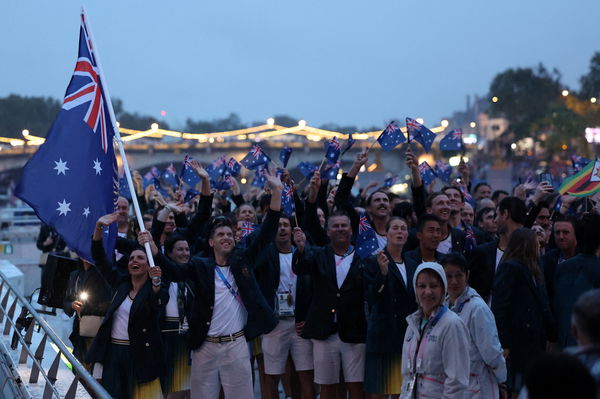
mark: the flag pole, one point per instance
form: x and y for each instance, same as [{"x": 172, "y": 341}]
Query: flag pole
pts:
[{"x": 113, "y": 120}]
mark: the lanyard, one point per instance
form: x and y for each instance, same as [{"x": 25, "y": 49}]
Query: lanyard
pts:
[
  {"x": 461, "y": 306},
  {"x": 235, "y": 293},
  {"x": 425, "y": 337}
]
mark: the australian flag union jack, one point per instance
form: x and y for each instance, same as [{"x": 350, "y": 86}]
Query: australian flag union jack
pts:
[
  {"x": 255, "y": 158},
  {"x": 366, "y": 241},
  {"x": 233, "y": 167},
  {"x": 307, "y": 169},
  {"x": 390, "y": 181},
  {"x": 169, "y": 176},
  {"x": 420, "y": 133},
  {"x": 284, "y": 156},
  {"x": 333, "y": 151},
  {"x": 391, "y": 136},
  {"x": 188, "y": 174},
  {"x": 452, "y": 141},
  {"x": 331, "y": 171},
  {"x": 149, "y": 176},
  {"x": 443, "y": 171},
  {"x": 427, "y": 174},
  {"x": 72, "y": 178},
  {"x": 287, "y": 200}
]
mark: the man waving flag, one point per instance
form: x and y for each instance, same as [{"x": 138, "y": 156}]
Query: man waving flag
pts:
[{"x": 72, "y": 179}]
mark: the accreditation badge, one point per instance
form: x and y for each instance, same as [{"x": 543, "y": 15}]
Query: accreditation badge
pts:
[{"x": 285, "y": 304}]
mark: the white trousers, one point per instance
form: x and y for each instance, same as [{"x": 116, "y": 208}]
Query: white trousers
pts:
[{"x": 226, "y": 364}]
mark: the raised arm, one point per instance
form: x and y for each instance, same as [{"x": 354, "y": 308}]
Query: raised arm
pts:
[{"x": 417, "y": 187}]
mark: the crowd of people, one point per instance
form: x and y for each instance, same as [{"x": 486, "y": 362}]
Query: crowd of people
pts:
[{"x": 470, "y": 292}]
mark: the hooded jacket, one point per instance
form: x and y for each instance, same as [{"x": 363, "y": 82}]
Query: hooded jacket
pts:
[
  {"x": 488, "y": 367},
  {"x": 435, "y": 359}
]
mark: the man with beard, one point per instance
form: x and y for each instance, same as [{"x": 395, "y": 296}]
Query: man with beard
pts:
[
  {"x": 286, "y": 295},
  {"x": 228, "y": 307},
  {"x": 335, "y": 320}
]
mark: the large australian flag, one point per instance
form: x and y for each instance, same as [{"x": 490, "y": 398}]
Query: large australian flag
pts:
[{"x": 72, "y": 178}]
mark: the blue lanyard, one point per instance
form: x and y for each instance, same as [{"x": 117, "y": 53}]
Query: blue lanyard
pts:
[
  {"x": 235, "y": 294},
  {"x": 461, "y": 306}
]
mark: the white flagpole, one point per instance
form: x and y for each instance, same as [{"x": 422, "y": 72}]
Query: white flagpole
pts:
[{"x": 113, "y": 120}]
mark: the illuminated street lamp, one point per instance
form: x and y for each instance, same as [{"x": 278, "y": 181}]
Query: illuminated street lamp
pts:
[
  {"x": 270, "y": 121},
  {"x": 494, "y": 99},
  {"x": 565, "y": 93},
  {"x": 25, "y": 132},
  {"x": 444, "y": 123},
  {"x": 473, "y": 125},
  {"x": 593, "y": 100},
  {"x": 301, "y": 123}
]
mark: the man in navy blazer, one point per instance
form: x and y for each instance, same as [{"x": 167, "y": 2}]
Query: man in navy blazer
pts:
[
  {"x": 228, "y": 307},
  {"x": 336, "y": 320}
]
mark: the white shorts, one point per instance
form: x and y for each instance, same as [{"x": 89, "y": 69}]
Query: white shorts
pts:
[
  {"x": 282, "y": 341},
  {"x": 331, "y": 353}
]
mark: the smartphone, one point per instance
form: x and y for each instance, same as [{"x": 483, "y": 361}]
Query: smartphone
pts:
[{"x": 547, "y": 177}]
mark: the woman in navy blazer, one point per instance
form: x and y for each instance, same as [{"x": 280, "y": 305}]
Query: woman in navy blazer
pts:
[
  {"x": 129, "y": 348},
  {"x": 390, "y": 298}
]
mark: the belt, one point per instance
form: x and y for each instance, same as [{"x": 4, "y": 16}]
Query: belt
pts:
[
  {"x": 226, "y": 338},
  {"x": 119, "y": 341}
]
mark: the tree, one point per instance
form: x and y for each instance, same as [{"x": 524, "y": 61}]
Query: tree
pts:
[
  {"x": 590, "y": 82},
  {"x": 35, "y": 114},
  {"x": 525, "y": 96}
]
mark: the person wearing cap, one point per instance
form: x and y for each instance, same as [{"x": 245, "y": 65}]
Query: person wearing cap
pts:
[
  {"x": 488, "y": 368},
  {"x": 436, "y": 345}
]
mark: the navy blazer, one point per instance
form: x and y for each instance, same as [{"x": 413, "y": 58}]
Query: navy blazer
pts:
[
  {"x": 390, "y": 300},
  {"x": 346, "y": 302},
  {"x": 268, "y": 270},
  {"x": 482, "y": 266},
  {"x": 201, "y": 271},
  {"x": 522, "y": 313}
]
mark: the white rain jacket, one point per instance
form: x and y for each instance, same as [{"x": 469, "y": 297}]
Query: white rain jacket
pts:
[
  {"x": 435, "y": 359},
  {"x": 488, "y": 367}
]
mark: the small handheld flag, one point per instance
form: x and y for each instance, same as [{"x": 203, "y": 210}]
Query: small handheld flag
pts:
[
  {"x": 420, "y": 133},
  {"x": 331, "y": 171},
  {"x": 349, "y": 143},
  {"x": 391, "y": 136},
  {"x": 307, "y": 169},
  {"x": 287, "y": 200},
  {"x": 284, "y": 156},
  {"x": 188, "y": 174},
  {"x": 427, "y": 174},
  {"x": 452, "y": 141},
  {"x": 390, "y": 181},
  {"x": 255, "y": 158},
  {"x": 233, "y": 167},
  {"x": 333, "y": 151},
  {"x": 584, "y": 183},
  {"x": 443, "y": 171},
  {"x": 169, "y": 176},
  {"x": 366, "y": 242}
]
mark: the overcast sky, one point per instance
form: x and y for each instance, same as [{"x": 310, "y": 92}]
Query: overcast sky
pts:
[{"x": 360, "y": 62}]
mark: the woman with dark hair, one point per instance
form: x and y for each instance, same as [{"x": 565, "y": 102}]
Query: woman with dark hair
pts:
[
  {"x": 390, "y": 298},
  {"x": 520, "y": 305},
  {"x": 488, "y": 368},
  {"x": 128, "y": 345},
  {"x": 435, "y": 354}
]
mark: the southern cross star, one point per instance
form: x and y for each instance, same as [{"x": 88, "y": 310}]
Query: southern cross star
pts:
[
  {"x": 63, "y": 207},
  {"x": 97, "y": 167},
  {"x": 61, "y": 166}
]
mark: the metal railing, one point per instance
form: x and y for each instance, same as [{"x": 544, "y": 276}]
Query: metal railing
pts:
[{"x": 80, "y": 374}]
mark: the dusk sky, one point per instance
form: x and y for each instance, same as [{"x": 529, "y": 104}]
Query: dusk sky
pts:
[{"x": 347, "y": 62}]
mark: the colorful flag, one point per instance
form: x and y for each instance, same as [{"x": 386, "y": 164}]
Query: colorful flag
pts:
[
  {"x": 331, "y": 171},
  {"x": 349, "y": 143},
  {"x": 284, "y": 156},
  {"x": 579, "y": 162},
  {"x": 452, "y": 141},
  {"x": 247, "y": 228},
  {"x": 255, "y": 158},
  {"x": 443, "y": 171},
  {"x": 366, "y": 241},
  {"x": 188, "y": 174},
  {"x": 233, "y": 167},
  {"x": 391, "y": 136},
  {"x": 466, "y": 195},
  {"x": 390, "y": 181},
  {"x": 72, "y": 179},
  {"x": 427, "y": 174},
  {"x": 307, "y": 169},
  {"x": 169, "y": 176},
  {"x": 584, "y": 183},
  {"x": 333, "y": 151},
  {"x": 420, "y": 133},
  {"x": 287, "y": 200}
]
